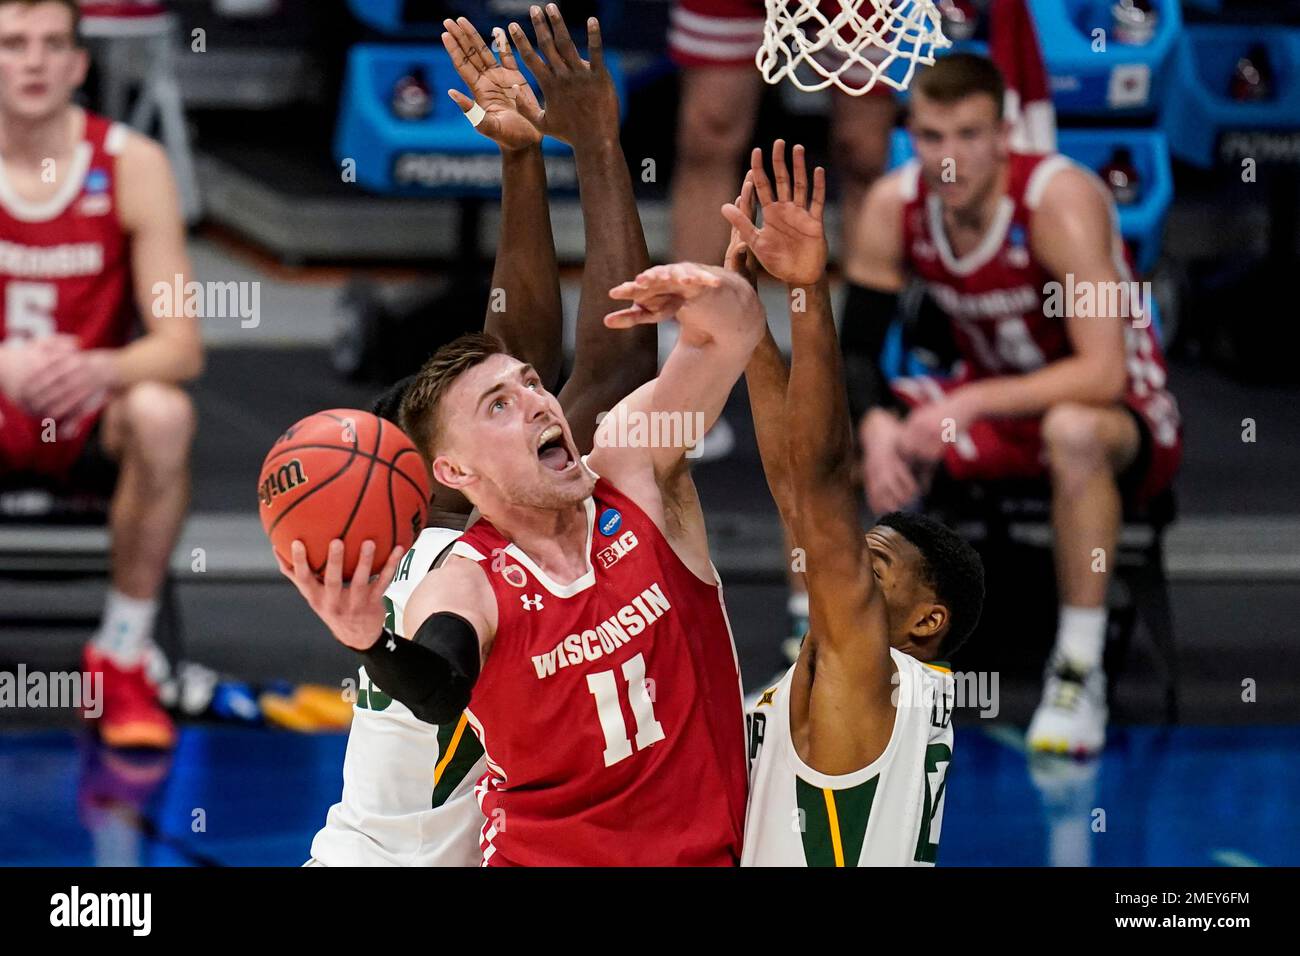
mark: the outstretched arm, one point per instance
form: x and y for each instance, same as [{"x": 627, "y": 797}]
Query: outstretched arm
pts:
[
  {"x": 848, "y": 642},
  {"x": 524, "y": 308},
  {"x": 721, "y": 321},
  {"x": 582, "y": 110},
  {"x": 766, "y": 375}
]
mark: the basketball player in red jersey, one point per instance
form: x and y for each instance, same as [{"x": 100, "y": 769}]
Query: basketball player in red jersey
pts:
[
  {"x": 580, "y": 619},
  {"x": 89, "y": 222},
  {"x": 1078, "y": 395}
]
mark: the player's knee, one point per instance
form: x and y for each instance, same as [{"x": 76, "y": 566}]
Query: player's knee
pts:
[
  {"x": 160, "y": 421},
  {"x": 712, "y": 130},
  {"x": 1074, "y": 436}
]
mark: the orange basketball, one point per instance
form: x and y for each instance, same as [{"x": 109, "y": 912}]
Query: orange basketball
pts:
[{"x": 347, "y": 474}]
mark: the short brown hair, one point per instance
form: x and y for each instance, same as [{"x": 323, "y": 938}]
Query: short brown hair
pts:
[
  {"x": 418, "y": 415},
  {"x": 73, "y": 8},
  {"x": 959, "y": 75}
]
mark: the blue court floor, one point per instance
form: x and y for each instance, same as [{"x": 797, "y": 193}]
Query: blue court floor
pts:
[{"x": 1186, "y": 796}]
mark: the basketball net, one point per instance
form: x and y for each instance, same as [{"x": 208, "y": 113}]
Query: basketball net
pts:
[{"x": 849, "y": 43}]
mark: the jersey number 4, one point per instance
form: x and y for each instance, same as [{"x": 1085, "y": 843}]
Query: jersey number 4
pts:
[{"x": 640, "y": 700}]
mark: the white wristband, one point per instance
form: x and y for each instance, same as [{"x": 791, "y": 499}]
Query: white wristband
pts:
[{"x": 475, "y": 115}]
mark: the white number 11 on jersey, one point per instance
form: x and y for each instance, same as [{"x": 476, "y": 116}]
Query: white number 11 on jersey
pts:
[{"x": 604, "y": 687}]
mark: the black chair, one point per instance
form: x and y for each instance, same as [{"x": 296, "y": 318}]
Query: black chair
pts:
[
  {"x": 49, "y": 535},
  {"x": 994, "y": 514}
]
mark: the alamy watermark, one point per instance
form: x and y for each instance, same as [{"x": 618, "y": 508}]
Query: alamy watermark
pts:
[
  {"x": 57, "y": 689},
  {"x": 976, "y": 690},
  {"x": 624, "y": 428},
  {"x": 1099, "y": 300},
  {"x": 209, "y": 300}
]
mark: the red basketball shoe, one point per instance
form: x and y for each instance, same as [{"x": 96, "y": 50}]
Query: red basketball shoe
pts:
[{"x": 131, "y": 715}]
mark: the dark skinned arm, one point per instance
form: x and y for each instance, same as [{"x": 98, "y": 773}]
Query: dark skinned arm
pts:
[
  {"x": 524, "y": 308},
  {"x": 845, "y": 666},
  {"x": 582, "y": 110}
]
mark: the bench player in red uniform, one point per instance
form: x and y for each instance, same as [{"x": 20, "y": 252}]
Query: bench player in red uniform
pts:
[
  {"x": 89, "y": 223},
  {"x": 1079, "y": 396}
]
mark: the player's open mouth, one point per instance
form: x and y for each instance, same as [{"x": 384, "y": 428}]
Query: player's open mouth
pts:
[{"x": 552, "y": 451}]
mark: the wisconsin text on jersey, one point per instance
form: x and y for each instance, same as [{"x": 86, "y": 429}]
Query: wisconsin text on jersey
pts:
[{"x": 609, "y": 635}]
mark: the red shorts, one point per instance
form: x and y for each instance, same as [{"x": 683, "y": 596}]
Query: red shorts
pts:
[
  {"x": 1008, "y": 448},
  {"x": 729, "y": 33},
  {"x": 30, "y": 448}
]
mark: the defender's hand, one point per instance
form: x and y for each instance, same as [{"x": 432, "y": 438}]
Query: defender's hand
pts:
[
  {"x": 581, "y": 104},
  {"x": 739, "y": 258},
  {"x": 498, "y": 87},
  {"x": 791, "y": 245},
  {"x": 354, "y": 614}
]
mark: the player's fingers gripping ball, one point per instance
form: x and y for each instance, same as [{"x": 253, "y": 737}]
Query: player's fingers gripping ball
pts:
[{"x": 346, "y": 474}]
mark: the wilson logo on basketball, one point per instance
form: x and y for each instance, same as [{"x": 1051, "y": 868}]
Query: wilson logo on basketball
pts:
[{"x": 285, "y": 478}]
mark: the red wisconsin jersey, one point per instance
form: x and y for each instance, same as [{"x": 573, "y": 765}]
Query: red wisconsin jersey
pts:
[
  {"x": 997, "y": 296},
  {"x": 64, "y": 268},
  {"x": 609, "y": 709}
]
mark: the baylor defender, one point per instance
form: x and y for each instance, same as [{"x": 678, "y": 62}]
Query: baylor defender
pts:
[{"x": 849, "y": 752}]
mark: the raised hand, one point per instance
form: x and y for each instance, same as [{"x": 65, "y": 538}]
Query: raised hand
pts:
[
  {"x": 705, "y": 300},
  {"x": 791, "y": 244},
  {"x": 739, "y": 258},
  {"x": 354, "y": 613},
  {"x": 498, "y": 87},
  {"x": 581, "y": 104}
]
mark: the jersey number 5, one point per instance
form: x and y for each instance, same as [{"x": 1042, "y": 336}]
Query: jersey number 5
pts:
[
  {"x": 604, "y": 687},
  {"x": 29, "y": 309}
]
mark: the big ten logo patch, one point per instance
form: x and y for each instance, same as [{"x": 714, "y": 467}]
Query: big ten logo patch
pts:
[{"x": 617, "y": 548}]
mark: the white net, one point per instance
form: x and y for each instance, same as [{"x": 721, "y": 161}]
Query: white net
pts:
[{"x": 853, "y": 44}]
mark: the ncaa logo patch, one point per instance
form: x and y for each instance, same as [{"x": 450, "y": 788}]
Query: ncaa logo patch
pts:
[
  {"x": 97, "y": 181},
  {"x": 610, "y": 521},
  {"x": 96, "y": 201}
]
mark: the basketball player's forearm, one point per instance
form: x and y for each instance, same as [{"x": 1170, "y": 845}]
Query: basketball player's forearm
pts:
[
  {"x": 524, "y": 307},
  {"x": 617, "y": 362},
  {"x": 817, "y": 401},
  {"x": 825, "y": 505},
  {"x": 766, "y": 380},
  {"x": 159, "y": 357},
  {"x": 1087, "y": 380}
]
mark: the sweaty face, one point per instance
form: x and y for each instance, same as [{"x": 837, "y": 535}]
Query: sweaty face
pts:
[
  {"x": 961, "y": 146},
  {"x": 40, "y": 64},
  {"x": 909, "y": 601},
  {"x": 506, "y": 442}
]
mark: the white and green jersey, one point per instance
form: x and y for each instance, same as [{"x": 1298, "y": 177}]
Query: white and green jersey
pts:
[
  {"x": 889, "y": 813},
  {"x": 408, "y": 786}
]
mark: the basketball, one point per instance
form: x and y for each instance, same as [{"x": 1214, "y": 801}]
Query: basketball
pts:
[{"x": 346, "y": 474}]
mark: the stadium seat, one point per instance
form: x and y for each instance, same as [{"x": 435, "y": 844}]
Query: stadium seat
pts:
[
  {"x": 138, "y": 48},
  {"x": 993, "y": 515},
  {"x": 47, "y": 537}
]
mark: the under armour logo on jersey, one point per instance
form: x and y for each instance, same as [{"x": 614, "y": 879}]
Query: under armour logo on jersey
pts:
[{"x": 533, "y": 603}]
